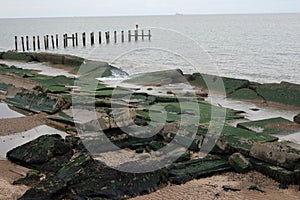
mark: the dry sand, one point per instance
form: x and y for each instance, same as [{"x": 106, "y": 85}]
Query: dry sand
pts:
[
  {"x": 8, "y": 173},
  {"x": 211, "y": 188},
  {"x": 21, "y": 124}
]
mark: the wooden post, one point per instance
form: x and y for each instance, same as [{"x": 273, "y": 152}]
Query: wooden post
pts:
[
  {"x": 129, "y": 36},
  {"x": 66, "y": 40},
  {"x": 56, "y": 37},
  {"x": 107, "y": 37},
  {"x": 38, "y": 42},
  {"x": 100, "y": 37},
  {"x": 149, "y": 34},
  {"x": 92, "y": 38},
  {"x": 136, "y": 35},
  {"x": 73, "y": 40},
  {"x": 122, "y": 36},
  {"x": 143, "y": 35},
  {"x": 47, "y": 39},
  {"x": 45, "y": 43},
  {"x": 33, "y": 41},
  {"x": 83, "y": 39},
  {"x": 53, "y": 43},
  {"x": 27, "y": 43},
  {"x": 76, "y": 38},
  {"x": 115, "y": 36},
  {"x": 23, "y": 47},
  {"x": 16, "y": 43}
]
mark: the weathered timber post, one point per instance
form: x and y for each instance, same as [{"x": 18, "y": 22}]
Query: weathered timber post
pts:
[
  {"x": 100, "y": 37},
  {"x": 73, "y": 40},
  {"x": 27, "y": 43},
  {"x": 16, "y": 43},
  {"x": 56, "y": 37},
  {"x": 122, "y": 36},
  {"x": 92, "y": 38},
  {"x": 115, "y": 36},
  {"x": 23, "y": 47},
  {"x": 84, "y": 39},
  {"x": 149, "y": 34},
  {"x": 76, "y": 38},
  {"x": 136, "y": 35},
  {"x": 129, "y": 36},
  {"x": 52, "y": 39},
  {"x": 38, "y": 42},
  {"x": 33, "y": 43}
]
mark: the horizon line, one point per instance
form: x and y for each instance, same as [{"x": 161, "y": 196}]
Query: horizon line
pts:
[{"x": 150, "y": 15}]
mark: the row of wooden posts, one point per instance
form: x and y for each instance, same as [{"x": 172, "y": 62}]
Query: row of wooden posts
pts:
[{"x": 36, "y": 40}]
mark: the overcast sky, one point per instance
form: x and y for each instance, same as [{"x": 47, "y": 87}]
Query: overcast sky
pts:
[{"x": 59, "y": 8}]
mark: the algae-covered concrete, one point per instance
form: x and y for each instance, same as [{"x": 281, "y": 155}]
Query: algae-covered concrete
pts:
[
  {"x": 271, "y": 126},
  {"x": 71, "y": 170}
]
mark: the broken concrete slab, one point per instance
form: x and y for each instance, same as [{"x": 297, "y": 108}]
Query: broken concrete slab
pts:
[
  {"x": 195, "y": 169},
  {"x": 271, "y": 126},
  {"x": 231, "y": 85},
  {"x": 234, "y": 140},
  {"x": 246, "y": 93},
  {"x": 48, "y": 153},
  {"x": 36, "y": 101},
  {"x": 239, "y": 163},
  {"x": 283, "y": 93},
  {"x": 278, "y": 154},
  {"x": 277, "y": 173}
]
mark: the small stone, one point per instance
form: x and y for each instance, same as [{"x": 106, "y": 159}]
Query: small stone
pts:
[
  {"x": 139, "y": 150},
  {"x": 297, "y": 118},
  {"x": 230, "y": 188},
  {"x": 283, "y": 186},
  {"x": 255, "y": 187},
  {"x": 254, "y": 109}
]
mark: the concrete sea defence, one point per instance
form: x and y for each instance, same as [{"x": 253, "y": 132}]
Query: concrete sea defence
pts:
[{"x": 63, "y": 168}]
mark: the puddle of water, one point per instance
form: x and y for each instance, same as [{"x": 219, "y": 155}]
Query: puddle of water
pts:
[
  {"x": 12, "y": 141},
  {"x": 43, "y": 68},
  {"x": 263, "y": 112},
  {"x": 294, "y": 137},
  {"x": 7, "y": 113}
]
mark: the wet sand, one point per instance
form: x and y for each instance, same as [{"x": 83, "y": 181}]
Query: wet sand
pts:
[
  {"x": 21, "y": 124},
  {"x": 212, "y": 188},
  {"x": 8, "y": 173}
]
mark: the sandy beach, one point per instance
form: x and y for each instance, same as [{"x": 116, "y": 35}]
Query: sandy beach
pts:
[
  {"x": 8, "y": 174},
  {"x": 212, "y": 188}
]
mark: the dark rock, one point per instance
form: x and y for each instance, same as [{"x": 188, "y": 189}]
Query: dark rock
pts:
[
  {"x": 230, "y": 188},
  {"x": 283, "y": 186},
  {"x": 239, "y": 163},
  {"x": 32, "y": 178},
  {"x": 46, "y": 153},
  {"x": 297, "y": 118},
  {"x": 256, "y": 188},
  {"x": 85, "y": 178}
]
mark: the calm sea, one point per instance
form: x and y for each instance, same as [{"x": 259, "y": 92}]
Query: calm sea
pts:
[{"x": 263, "y": 48}]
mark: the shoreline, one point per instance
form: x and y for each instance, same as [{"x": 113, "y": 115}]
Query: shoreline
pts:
[{"x": 58, "y": 91}]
